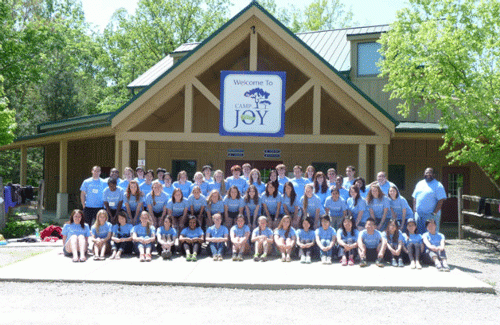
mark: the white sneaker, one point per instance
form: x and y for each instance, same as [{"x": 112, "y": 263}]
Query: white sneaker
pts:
[
  {"x": 308, "y": 259},
  {"x": 302, "y": 259},
  {"x": 418, "y": 265},
  {"x": 323, "y": 259},
  {"x": 328, "y": 260},
  {"x": 412, "y": 264}
]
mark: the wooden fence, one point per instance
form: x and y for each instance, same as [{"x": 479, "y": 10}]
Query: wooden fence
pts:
[{"x": 462, "y": 212}]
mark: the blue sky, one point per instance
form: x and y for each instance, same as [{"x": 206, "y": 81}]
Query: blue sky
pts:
[{"x": 366, "y": 12}]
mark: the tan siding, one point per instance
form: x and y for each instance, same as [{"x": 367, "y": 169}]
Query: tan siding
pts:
[
  {"x": 169, "y": 117},
  {"x": 205, "y": 115},
  {"x": 299, "y": 118}
]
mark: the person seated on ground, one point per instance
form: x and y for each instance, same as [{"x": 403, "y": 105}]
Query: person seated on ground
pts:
[
  {"x": 166, "y": 236},
  {"x": 336, "y": 208},
  {"x": 240, "y": 233},
  {"x": 395, "y": 243},
  {"x": 113, "y": 199},
  {"x": 414, "y": 244},
  {"x": 311, "y": 204},
  {"x": 101, "y": 235},
  {"x": 347, "y": 239},
  {"x": 326, "y": 238},
  {"x": 371, "y": 245},
  {"x": 217, "y": 236},
  {"x": 75, "y": 236},
  {"x": 191, "y": 239},
  {"x": 197, "y": 203},
  {"x": 262, "y": 237},
  {"x": 434, "y": 244},
  {"x": 143, "y": 236},
  {"x": 285, "y": 237},
  {"x": 306, "y": 238},
  {"x": 121, "y": 240}
]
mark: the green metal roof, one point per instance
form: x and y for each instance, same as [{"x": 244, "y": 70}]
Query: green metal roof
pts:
[
  {"x": 63, "y": 131},
  {"x": 420, "y": 127}
]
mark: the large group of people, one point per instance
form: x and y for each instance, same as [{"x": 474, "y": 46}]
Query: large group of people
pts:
[{"x": 327, "y": 216}]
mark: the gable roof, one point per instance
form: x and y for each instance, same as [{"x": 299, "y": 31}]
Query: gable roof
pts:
[{"x": 332, "y": 45}]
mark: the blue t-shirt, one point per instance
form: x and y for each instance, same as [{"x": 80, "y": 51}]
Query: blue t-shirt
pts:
[
  {"x": 217, "y": 233},
  {"x": 434, "y": 239},
  {"x": 414, "y": 239},
  {"x": 233, "y": 205},
  {"x": 282, "y": 182},
  {"x": 160, "y": 201},
  {"x": 390, "y": 237},
  {"x": 298, "y": 185},
  {"x": 282, "y": 232},
  {"x": 93, "y": 189},
  {"x": 146, "y": 188},
  {"x": 398, "y": 205},
  {"x": 322, "y": 196},
  {"x": 141, "y": 231},
  {"x": 197, "y": 203},
  {"x": 252, "y": 206},
  {"x": 123, "y": 184},
  {"x": 363, "y": 193},
  {"x": 178, "y": 207},
  {"x": 104, "y": 230},
  {"x": 204, "y": 187},
  {"x": 329, "y": 233},
  {"x": 303, "y": 236},
  {"x": 347, "y": 183},
  {"x": 348, "y": 236},
  {"x": 355, "y": 209},
  {"x": 240, "y": 183},
  {"x": 192, "y": 233},
  {"x": 76, "y": 229},
  {"x": 313, "y": 203},
  {"x": 335, "y": 208},
  {"x": 371, "y": 241},
  {"x": 378, "y": 206},
  {"x": 385, "y": 188},
  {"x": 113, "y": 197},
  {"x": 133, "y": 202},
  {"x": 122, "y": 231},
  {"x": 427, "y": 195},
  {"x": 216, "y": 207},
  {"x": 163, "y": 232},
  {"x": 239, "y": 232},
  {"x": 271, "y": 202},
  {"x": 266, "y": 232},
  {"x": 169, "y": 190},
  {"x": 140, "y": 180},
  {"x": 285, "y": 201},
  {"x": 342, "y": 192},
  {"x": 260, "y": 188},
  {"x": 217, "y": 186},
  {"x": 185, "y": 188}
]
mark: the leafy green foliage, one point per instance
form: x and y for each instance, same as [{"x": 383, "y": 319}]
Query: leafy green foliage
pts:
[
  {"x": 443, "y": 57},
  {"x": 18, "y": 229}
]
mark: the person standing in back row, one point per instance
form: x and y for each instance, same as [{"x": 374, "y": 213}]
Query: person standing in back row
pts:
[
  {"x": 428, "y": 198},
  {"x": 91, "y": 195}
]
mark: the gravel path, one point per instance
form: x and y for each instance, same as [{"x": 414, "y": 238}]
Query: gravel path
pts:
[{"x": 63, "y": 303}]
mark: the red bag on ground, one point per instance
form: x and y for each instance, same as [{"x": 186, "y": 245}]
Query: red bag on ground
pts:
[{"x": 51, "y": 231}]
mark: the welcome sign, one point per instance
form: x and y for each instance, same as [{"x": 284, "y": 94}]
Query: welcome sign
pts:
[{"x": 252, "y": 103}]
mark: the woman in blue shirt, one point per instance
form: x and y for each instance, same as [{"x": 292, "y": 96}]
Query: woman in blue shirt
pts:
[
  {"x": 101, "y": 235},
  {"x": 414, "y": 244},
  {"x": 143, "y": 236},
  {"x": 400, "y": 210},
  {"x": 305, "y": 240},
  {"x": 198, "y": 180},
  {"x": 121, "y": 241},
  {"x": 378, "y": 205},
  {"x": 168, "y": 187},
  {"x": 214, "y": 205},
  {"x": 336, "y": 208},
  {"x": 361, "y": 184},
  {"x": 291, "y": 204},
  {"x": 197, "y": 203},
  {"x": 233, "y": 206},
  {"x": 347, "y": 239},
  {"x": 395, "y": 244},
  {"x": 252, "y": 205},
  {"x": 356, "y": 207},
  {"x": 217, "y": 236},
  {"x": 255, "y": 179},
  {"x": 166, "y": 236},
  {"x": 147, "y": 186},
  {"x": 177, "y": 207},
  {"x": 262, "y": 237},
  {"x": 183, "y": 183},
  {"x": 321, "y": 187},
  {"x": 156, "y": 202},
  {"x": 191, "y": 239},
  {"x": 271, "y": 204},
  {"x": 219, "y": 184},
  {"x": 134, "y": 201},
  {"x": 284, "y": 237},
  {"x": 75, "y": 236},
  {"x": 312, "y": 204}
]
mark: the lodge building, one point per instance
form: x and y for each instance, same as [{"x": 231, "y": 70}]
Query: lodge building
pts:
[{"x": 336, "y": 115}]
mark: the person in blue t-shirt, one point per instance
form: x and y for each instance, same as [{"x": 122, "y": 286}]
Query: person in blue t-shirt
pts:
[
  {"x": 160, "y": 175},
  {"x": 183, "y": 183},
  {"x": 197, "y": 203},
  {"x": 400, "y": 210},
  {"x": 262, "y": 237},
  {"x": 240, "y": 233},
  {"x": 128, "y": 175},
  {"x": 428, "y": 198},
  {"x": 113, "y": 200},
  {"x": 311, "y": 204},
  {"x": 336, "y": 208},
  {"x": 91, "y": 195},
  {"x": 290, "y": 204},
  {"x": 299, "y": 182},
  {"x": 285, "y": 238},
  {"x": 75, "y": 236},
  {"x": 395, "y": 243},
  {"x": 338, "y": 185},
  {"x": 166, "y": 236},
  {"x": 198, "y": 180},
  {"x": 434, "y": 246},
  {"x": 350, "y": 172},
  {"x": 217, "y": 237},
  {"x": 236, "y": 180},
  {"x": 157, "y": 201},
  {"x": 214, "y": 205},
  {"x": 177, "y": 207},
  {"x": 233, "y": 206},
  {"x": 252, "y": 206},
  {"x": 191, "y": 239},
  {"x": 371, "y": 244},
  {"x": 168, "y": 187},
  {"x": 325, "y": 239},
  {"x": 134, "y": 201},
  {"x": 331, "y": 175},
  {"x": 101, "y": 235},
  {"x": 256, "y": 180},
  {"x": 361, "y": 184},
  {"x": 306, "y": 238},
  {"x": 347, "y": 239},
  {"x": 147, "y": 186},
  {"x": 321, "y": 187},
  {"x": 121, "y": 241},
  {"x": 271, "y": 204},
  {"x": 139, "y": 171},
  {"x": 282, "y": 179},
  {"x": 414, "y": 244},
  {"x": 143, "y": 236},
  {"x": 207, "y": 175},
  {"x": 356, "y": 207},
  {"x": 378, "y": 206},
  {"x": 219, "y": 184}
]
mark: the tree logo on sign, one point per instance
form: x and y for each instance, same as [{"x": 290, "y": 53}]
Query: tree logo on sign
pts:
[{"x": 260, "y": 97}]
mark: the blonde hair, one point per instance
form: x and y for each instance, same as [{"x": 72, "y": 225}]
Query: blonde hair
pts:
[
  {"x": 148, "y": 224},
  {"x": 306, "y": 199},
  {"x": 198, "y": 174},
  {"x": 96, "y": 224},
  {"x": 223, "y": 182},
  {"x": 157, "y": 182}
]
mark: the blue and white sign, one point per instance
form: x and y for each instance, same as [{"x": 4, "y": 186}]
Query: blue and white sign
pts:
[{"x": 252, "y": 103}]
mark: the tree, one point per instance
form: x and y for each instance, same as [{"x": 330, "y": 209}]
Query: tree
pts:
[
  {"x": 7, "y": 118},
  {"x": 443, "y": 56},
  {"x": 258, "y": 94}
]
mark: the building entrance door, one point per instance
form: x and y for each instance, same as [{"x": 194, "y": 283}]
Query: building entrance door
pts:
[
  {"x": 453, "y": 178},
  {"x": 264, "y": 166}
]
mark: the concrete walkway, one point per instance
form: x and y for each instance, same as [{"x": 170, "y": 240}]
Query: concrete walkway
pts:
[{"x": 273, "y": 274}]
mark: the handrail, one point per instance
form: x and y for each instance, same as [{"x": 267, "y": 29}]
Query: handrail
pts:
[{"x": 461, "y": 212}]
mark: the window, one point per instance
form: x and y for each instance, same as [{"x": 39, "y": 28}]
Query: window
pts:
[
  {"x": 323, "y": 167},
  {"x": 188, "y": 165},
  {"x": 368, "y": 56},
  {"x": 454, "y": 182},
  {"x": 397, "y": 176}
]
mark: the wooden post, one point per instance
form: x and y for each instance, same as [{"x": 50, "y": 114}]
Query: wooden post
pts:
[
  {"x": 460, "y": 214},
  {"x": 2, "y": 205},
  {"x": 23, "y": 179}
]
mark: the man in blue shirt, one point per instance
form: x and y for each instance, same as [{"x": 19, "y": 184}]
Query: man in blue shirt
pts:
[
  {"x": 91, "y": 195},
  {"x": 350, "y": 171},
  {"x": 428, "y": 198},
  {"x": 384, "y": 184},
  {"x": 299, "y": 182},
  {"x": 282, "y": 179}
]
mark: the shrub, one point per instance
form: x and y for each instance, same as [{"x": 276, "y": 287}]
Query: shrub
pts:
[{"x": 18, "y": 229}]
